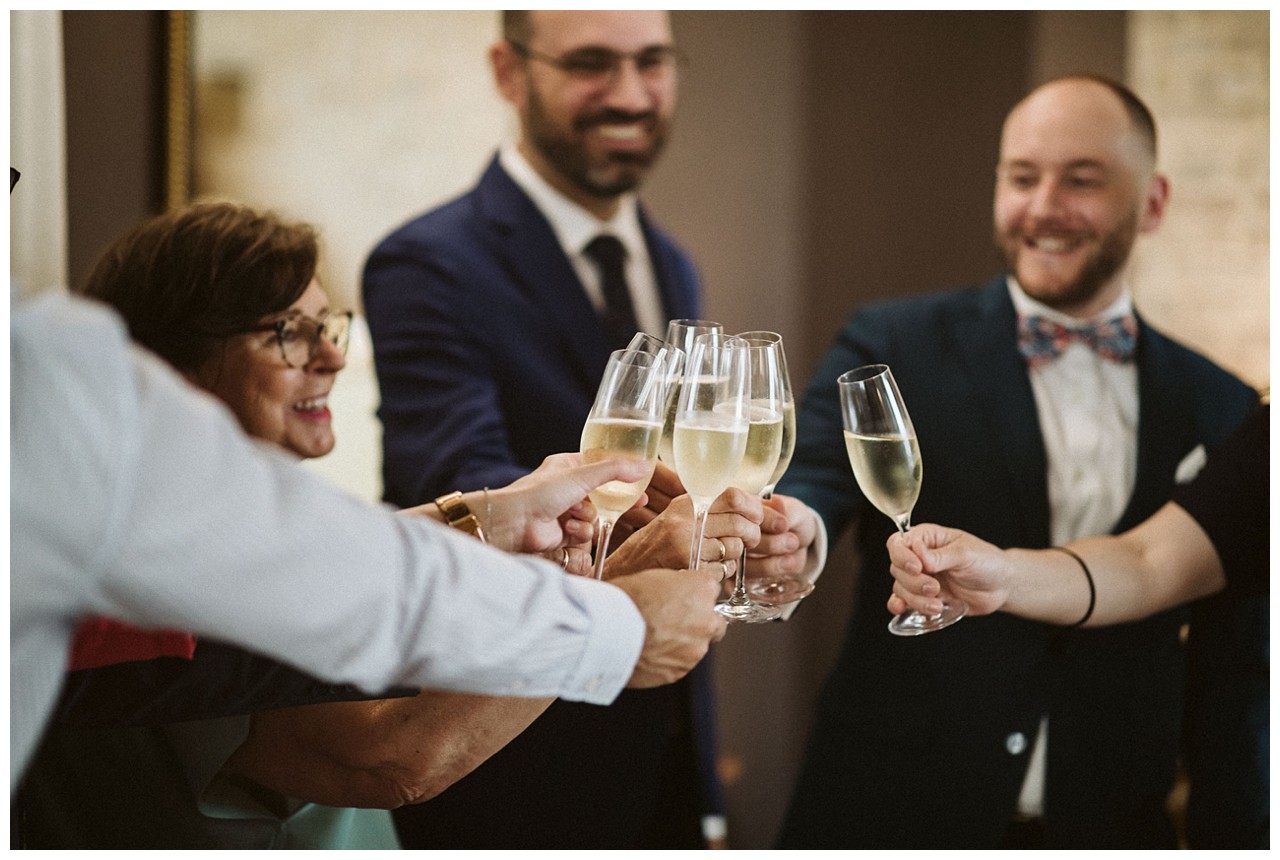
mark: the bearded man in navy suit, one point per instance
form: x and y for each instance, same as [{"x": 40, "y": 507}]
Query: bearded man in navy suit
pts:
[
  {"x": 999, "y": 731},
  {"x": 491, "y": 328}
]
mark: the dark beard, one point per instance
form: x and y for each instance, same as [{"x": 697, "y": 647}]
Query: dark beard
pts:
[
  {"x": 1095, "y": 275},
  {"x": 568, "y": 157}
]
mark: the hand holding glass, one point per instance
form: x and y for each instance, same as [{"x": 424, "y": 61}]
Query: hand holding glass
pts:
[
  {"x": 759, "y": 462},
  {"x": 779, "y": 589},
  {"x": 711, "y": 424},
  {"x": 885, "y": 457}
]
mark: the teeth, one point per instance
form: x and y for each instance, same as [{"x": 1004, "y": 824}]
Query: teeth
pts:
[
  {"x": 1051, "y": 244},
  {"x": 314, "y": 405},
  {"x": 620, "y": 132}
]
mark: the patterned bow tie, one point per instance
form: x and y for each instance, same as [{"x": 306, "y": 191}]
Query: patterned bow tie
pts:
[{"x": 1041, "y": 341}]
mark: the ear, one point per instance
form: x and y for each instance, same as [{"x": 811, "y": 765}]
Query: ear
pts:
[
  {"x": 508, "y": 73},
  {"x": 1157, "y": 198}
]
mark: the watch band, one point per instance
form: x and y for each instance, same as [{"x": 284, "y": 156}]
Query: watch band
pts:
[{"x": 459, "y": 516}]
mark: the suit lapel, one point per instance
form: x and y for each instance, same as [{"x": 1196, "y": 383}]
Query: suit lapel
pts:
[
  {"x": 522, "y": 241},
  {"x": 1164, "y": 427},
  {"x": 986, "y": 343}
]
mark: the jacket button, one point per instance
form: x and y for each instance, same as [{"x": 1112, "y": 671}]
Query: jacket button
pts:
[{"x": 1016, "y": 743}]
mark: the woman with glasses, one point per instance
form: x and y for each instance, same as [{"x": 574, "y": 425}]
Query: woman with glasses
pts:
[{"x": 229, "y": 297}]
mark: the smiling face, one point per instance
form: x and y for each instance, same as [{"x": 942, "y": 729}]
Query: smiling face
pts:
[
  {"x": 274, "y": 402},
  {"x": 591, "y": 138},
  {"x": 1074, "y": 188}
]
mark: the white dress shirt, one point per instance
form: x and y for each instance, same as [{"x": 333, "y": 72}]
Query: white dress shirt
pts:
[
  {"x": 136, "y": 497},
  {"x": 575, "y": 227},
  {"x": 1088, "y": 411}
]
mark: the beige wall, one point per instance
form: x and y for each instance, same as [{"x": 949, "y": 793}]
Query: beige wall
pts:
[{"x": 1205, "y": 276}]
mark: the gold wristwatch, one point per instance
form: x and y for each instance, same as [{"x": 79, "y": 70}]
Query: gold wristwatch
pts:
[{"x": 459, "y": 516}]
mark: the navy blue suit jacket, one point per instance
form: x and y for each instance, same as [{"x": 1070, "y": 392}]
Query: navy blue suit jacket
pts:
[
  {"x": 924, "y": 742},
  {"x": 488, "y": 351},
  {"x": 488, "y": 354}
]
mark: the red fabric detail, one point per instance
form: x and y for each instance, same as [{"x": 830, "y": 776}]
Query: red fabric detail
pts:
[{"x": 101, "y": 642}]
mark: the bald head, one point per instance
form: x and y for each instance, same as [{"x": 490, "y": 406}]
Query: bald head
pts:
[
  {"x": 1075, "y": 186},
  {"x": 1095, "y": 105}
]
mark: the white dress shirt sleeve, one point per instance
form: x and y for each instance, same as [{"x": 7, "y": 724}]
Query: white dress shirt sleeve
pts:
[{"x": 135, "y": 497}]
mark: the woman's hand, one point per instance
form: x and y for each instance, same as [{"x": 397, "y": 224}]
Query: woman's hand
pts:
[
  {"x": 548, "y": 509},
  {"x": 931, "y": 563}
]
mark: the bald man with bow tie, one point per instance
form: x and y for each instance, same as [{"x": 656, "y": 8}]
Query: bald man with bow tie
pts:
[{"x": 1046, "y": 410}]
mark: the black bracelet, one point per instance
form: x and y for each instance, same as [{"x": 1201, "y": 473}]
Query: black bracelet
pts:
[{"x": 1093, "y": 592}]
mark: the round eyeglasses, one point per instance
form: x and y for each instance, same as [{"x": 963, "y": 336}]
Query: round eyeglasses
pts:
[{"x": 299, "y": 336}]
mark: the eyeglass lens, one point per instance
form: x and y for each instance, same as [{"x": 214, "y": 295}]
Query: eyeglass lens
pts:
[{"x": 300, "y": 337}]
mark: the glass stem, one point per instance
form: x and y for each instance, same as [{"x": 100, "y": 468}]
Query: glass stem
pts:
[
  {"x": 699, "y": 527},
  {"x": 605, "y": 529},
  {"x": 739, "y": 596}
]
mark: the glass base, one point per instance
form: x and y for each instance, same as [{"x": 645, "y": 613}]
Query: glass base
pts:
[
  {"x": 750, "y": 613},
  {"x": 914, "y": 623},
  {"x": 780, "y": 591}
]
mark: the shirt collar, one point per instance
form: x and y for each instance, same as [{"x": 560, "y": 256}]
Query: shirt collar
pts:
[
  {"x": 1027, "y": 306},
  {"x": 574, "y": 226}
]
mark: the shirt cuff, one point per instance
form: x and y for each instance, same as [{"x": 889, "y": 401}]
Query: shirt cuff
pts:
[
  {"x": 613, "y": 642},
  {"x": 814, "y": 562}
]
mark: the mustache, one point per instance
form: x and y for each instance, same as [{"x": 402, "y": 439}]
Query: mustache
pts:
[{"x": 610, "y": 116}]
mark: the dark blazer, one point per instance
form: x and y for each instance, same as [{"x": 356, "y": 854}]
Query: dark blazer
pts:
[
  {"x": 488, "y": 351},
  {"x": 488, "y": 354},
  {"x": 924, "y": 742}
]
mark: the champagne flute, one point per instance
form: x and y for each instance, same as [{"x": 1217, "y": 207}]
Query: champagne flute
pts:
[
  {"x": 625, "y": 419},
  {"x": 711, "y": 424},
  {"x": 885, "y": 457},
  {"x": 759, "y": 462},
  {"x": 680, "y": 335},
  {"x": 779, "y": 589},
  {"x": 674, "y": 356}
]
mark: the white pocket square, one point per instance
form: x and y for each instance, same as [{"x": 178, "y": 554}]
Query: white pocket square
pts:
[{"x": 1190, "y": 465}]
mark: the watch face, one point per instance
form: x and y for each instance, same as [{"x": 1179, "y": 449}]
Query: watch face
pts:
[{"x": 457, "y": 515}]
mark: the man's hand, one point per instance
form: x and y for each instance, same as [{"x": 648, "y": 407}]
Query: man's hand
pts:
[
  {"x": 786, "y": 533},
  {"x": 733, "y": 524},
  {"x": 680, "y": 620},
  {"x": 663, "y": 487}
]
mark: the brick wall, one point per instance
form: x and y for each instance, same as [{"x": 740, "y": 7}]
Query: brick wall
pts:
[{"x": 1204, "y": 277}]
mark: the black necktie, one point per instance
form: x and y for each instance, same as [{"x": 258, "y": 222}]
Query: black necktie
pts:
[{"x": 619, "y": 316}]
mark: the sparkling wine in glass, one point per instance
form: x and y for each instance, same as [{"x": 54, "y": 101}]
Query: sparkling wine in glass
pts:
[
  {"x": 885, "y": 457},
  {"x": 680, "y": 335},
  {"x": 778, "y": 589},
  {"x": 711, "y": 424},
  {"x": 759, "y": 462},
  {"x": 625, "y": 420}
]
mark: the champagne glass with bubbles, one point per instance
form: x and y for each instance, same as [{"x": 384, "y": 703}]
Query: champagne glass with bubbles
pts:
[
  {"x": 711, "y": 424},
  {"x": 885, "y": 457},
  {"x": 779, "y": 589},
  {"x": 680, "y": 335},
  {"x": 759, "y": 461},
  {"x": 625, "y": 420}
]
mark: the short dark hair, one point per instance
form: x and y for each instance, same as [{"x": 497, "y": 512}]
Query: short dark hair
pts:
[
  {"x": 517, "y": 26},
  {"x": 186, "y": 280}
]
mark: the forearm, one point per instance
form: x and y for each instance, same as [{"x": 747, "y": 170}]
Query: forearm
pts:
[
  {"x": 1166, "y": 561},
  {"x": 382, "y": 754}
]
